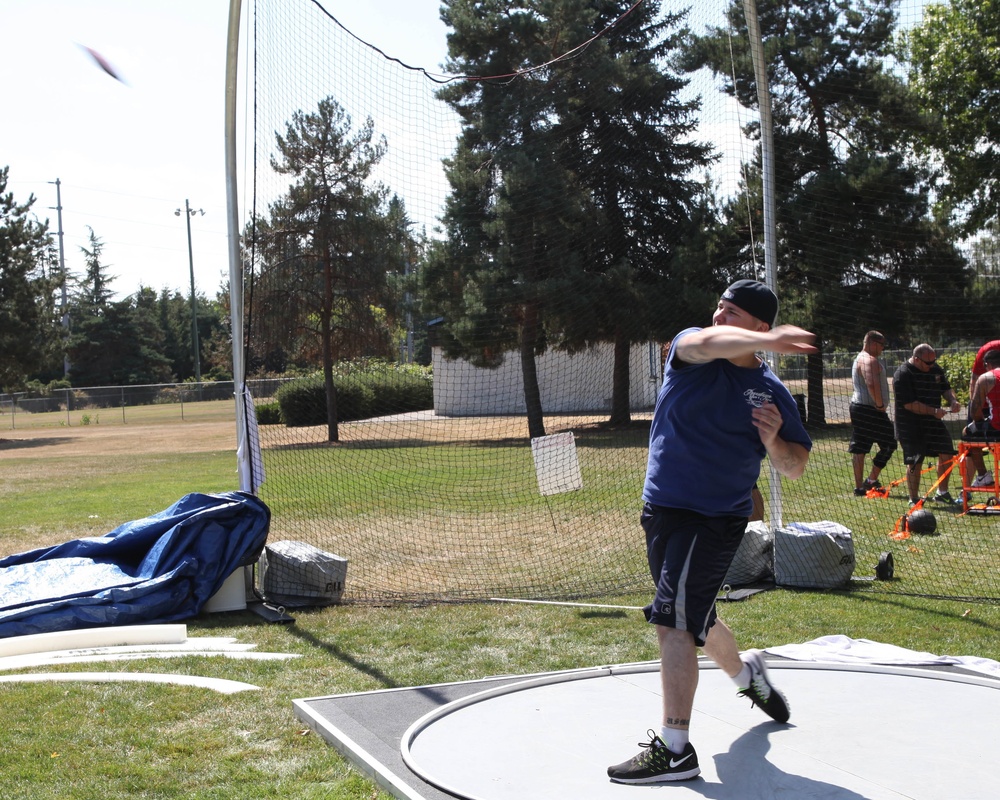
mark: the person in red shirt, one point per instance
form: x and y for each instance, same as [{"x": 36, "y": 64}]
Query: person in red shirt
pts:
[
  {"x": 984, "y": 411},
  {"x": 979, "y": 367}
]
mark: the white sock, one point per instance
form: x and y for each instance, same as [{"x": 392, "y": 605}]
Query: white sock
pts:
[
  {"x": 742, "y": 680},
  {"x": 674, "y": 738}
]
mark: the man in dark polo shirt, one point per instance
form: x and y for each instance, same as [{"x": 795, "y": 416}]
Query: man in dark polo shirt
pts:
[{"x": 919, "y": 384}]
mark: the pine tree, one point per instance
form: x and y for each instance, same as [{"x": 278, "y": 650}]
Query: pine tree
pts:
[
  {"x": 854, "y": 229},
  {"x": 327, "y": 247},
  {"x": 572, "y": 186},
  {"x": 628, "y": 137},
  {"x": 27, "y": 329}
]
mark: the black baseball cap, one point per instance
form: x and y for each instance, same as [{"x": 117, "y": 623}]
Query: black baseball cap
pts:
[{"x": 754, "y": 298}]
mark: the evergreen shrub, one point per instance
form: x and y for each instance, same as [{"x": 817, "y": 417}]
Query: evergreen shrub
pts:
[
  {"x": 364, "y": 390},
  {"x": 268, "y": 413}
]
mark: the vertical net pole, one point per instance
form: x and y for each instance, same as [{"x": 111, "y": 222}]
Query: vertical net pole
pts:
[
  {"x": 243, "y": 455},
  {"x": 767, "y": 176}
]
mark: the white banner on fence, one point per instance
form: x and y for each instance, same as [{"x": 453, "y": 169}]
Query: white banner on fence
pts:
[{"x": 556, "y": 465}]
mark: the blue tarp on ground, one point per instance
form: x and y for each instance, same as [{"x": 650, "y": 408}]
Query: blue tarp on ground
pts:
[{"x": 159, "y": 569}]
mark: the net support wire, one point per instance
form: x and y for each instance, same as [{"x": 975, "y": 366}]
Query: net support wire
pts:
[{"x": 562, "y": 603}]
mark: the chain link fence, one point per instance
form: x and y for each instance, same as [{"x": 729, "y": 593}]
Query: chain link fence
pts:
[{"x": 120, "y": 405}]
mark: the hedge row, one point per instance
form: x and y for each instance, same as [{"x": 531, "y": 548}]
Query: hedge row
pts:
[{"x": 362, "y": 392}]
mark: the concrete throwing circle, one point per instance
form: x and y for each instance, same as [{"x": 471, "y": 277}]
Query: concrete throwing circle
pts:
[{"x": 871, "y": 732}]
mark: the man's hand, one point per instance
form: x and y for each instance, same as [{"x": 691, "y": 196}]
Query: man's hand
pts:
[
  {"x": 789, "y": 458},
  {"x": 767, "y": 420},
  {"x": 790, "y": 339}
]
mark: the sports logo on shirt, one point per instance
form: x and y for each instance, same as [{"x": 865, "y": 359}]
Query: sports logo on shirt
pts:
[{"x": 757, "y": 398}]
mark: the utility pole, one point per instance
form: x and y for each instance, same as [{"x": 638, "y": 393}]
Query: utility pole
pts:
[
  {"x": 195, "y": 350},
  {"x": 62, "y": 269}
]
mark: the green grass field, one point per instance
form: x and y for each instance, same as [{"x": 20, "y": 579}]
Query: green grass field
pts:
[
  {"x": 161, "y": 413},
  {"x": 133, "y": 740},
  {"x": 114, "y": 741},
  {"x": 416, "y": 497}
]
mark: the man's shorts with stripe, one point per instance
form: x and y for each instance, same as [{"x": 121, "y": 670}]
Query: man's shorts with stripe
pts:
[{"x": 689, "y": 555}]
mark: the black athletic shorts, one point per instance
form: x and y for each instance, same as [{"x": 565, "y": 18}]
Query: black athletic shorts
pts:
[
  {"x": 870, "y": 426},
  {"x": 928, "y": 437},
  {"x": 689, "y": 555}
]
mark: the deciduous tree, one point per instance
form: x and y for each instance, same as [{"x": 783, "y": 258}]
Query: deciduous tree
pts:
[{"x": 953, "y": 56}]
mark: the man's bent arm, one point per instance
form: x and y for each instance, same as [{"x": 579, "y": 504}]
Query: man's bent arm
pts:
[
  {"x": 728, "y": 341},
  {"x": 789, "y": 458}
]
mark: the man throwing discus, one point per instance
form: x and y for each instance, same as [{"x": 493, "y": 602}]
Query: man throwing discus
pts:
[{"x": 719, "y": 412}]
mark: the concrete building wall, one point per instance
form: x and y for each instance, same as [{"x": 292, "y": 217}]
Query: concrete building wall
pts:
[{"x": 569, "y": 384}]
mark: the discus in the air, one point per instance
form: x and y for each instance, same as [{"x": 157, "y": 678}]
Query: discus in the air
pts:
[{"x": 103, "y": 63}]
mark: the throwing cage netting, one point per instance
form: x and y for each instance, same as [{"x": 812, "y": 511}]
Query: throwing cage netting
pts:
[{"x": 461, "y": 278}]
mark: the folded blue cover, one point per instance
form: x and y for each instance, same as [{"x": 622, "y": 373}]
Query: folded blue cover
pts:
[{"x": 159, "y": 569}]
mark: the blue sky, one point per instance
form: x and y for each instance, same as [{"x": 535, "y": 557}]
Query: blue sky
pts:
[{"x": 128, "y": 155}]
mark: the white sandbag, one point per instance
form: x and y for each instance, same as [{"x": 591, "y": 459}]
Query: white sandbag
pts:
[
  {"x": 754, "y": 560},
  {"x": 296, "y": 574},
  {"x": 813, "y": 555}
]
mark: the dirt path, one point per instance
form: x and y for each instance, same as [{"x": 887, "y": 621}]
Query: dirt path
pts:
[{"x": 118, "y": 440}]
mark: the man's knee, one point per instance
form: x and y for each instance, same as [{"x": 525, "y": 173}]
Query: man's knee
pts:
[{"x": 674, "y": 637}]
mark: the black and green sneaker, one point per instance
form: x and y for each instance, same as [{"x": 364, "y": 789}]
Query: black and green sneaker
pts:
[
  {"x": 657, "y": 764},
  {"x": 760, "y": 691}
]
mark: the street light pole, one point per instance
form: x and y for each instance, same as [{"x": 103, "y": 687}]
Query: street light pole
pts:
[
  {"x": 195, "y": 350},
  {"x": 64, "y": 306}
]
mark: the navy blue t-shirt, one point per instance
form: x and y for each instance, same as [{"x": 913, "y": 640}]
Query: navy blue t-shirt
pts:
[{"x": 704, "y": 450}]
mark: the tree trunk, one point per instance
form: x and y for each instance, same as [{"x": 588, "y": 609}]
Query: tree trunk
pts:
[
  {"x": 332, "y": 430},
  {"x": 326, "y": 321},
  {"x": 816, "y": 407},
  {"x": 621, "y": 413},
  {"x": 529, "y": 372}
]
